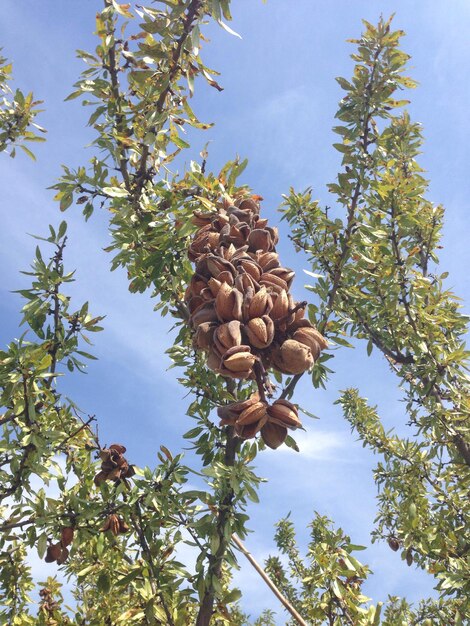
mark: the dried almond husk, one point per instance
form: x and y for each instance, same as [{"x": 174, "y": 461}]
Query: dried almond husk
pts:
[
  {"x": 204, "y": 313},
  {"x": 260, "y": 331},
  {"x": 293, "y": 357},
  {"x": 66, "y": 536},
  {"x": 273, "y": 435},
  {"x": 284, "y": 413},
  {"x": 272, "y": 282},
  {"x": 229, "y": 413},
  {"x": 204, "y": 336},
  {"x": 63, "y": 556},
  {"x": 285, "y": 273},
  {"x": 53, "y": 552},
  {"x": 251, "y": 267},
  {"x": 310, "y": 337},
  {"x": 260, "y": 239},
  {"x": 248, "y": 431},
  {"x": 227, "y": 336},
  {"x": 250, "y": 205},
  {"x": 228, "y": 303},
  {"x": 280, "y": 305},
  {"x": 254, "y": 413},
  {"x": 239, "y": 361},
  {"x": 267, "y": 260},
  {"x": 260, "y": 304}
]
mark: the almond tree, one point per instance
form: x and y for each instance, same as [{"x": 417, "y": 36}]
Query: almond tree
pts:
[
  {"x": 377, "y": 255},
  {"x": 200, "y": 243}
]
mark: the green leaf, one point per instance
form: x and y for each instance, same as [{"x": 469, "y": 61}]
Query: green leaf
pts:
[
  {"x": 41, "y": 545},
  {"x": 115, "y": 192},
  {"x": 103, "y": 582},
  {"x": 28, "y": 152}
]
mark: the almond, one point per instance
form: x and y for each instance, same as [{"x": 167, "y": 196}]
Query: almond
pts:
[
  {"x": 311, "y": 338},
  {"x": 260, "y": 331},
  {"x": 293, "y": 357},
  {"x": 252, "y": 414},
  {"x": 227, "y": 336},
  {"x": 273, "y": 435},
  {"x": 284, "y": 413}
]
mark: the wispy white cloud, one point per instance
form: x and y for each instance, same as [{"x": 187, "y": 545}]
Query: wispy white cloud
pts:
[{"x": 319, "y": 445}]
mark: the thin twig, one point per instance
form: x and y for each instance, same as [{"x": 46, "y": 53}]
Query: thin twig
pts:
[{"x": 295, "y": 614}]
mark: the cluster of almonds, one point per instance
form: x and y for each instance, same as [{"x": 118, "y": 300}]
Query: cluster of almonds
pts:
[
  {"x": 58, "y": 552},
  {"x": 114, "y": 466},
  {"x": 115, "y": 524},
  {"x": 238, "y": 298},
  {"x": 48, "y": 604},
  {"x": 242, "y": 312},
  {"x": 254, "y": 416}
]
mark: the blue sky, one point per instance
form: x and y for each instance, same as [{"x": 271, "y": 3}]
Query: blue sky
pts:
[{"x": 277, "y": 109}]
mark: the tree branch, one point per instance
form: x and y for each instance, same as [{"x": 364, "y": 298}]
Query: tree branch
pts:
[{"x": 295, "y": 614}]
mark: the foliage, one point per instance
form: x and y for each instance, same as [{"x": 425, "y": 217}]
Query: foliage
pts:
[
  {"x": 326, "y": 584},
  {"x": 378, "y": 284},
  {"x": 17, "y": 112},
  {"x": 117, "y": 530}
]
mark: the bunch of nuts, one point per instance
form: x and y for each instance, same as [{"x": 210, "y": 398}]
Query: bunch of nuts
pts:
[
  {"x": 241, "y": 310},
  {"x": 254, "y": 416},
  {"x": 114, "y": 465},
  {"x": 58, "y": 552},
  {"x": 48, "y": 605},
  {"x": 238, "y": 298},
  {"x": 115, "y": 524}
]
